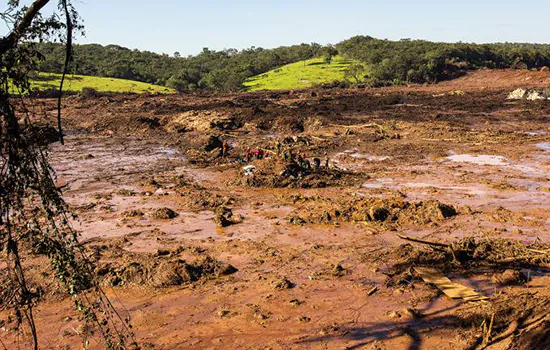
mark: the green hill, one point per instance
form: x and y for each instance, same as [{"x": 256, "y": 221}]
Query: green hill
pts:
[
  {"x": 300, "y": 75},
  {"x": 45, "y": 81}
]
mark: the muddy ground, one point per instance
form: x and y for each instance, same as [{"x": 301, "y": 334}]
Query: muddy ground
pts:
[{"x": 201, "y": 254}]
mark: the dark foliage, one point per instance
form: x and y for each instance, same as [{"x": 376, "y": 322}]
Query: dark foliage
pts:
[{"x": 419, "y": 61}]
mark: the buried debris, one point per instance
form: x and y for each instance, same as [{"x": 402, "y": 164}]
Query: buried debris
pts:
[
  {"x": 468, "y": 256},
  {"x": 483, "y": 252},
  {"x": 450, "y": 288},
  {"x": 282, "y": 284}
]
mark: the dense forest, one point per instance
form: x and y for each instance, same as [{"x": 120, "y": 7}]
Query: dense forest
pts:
[
  {"x": 419, "y": 61},
  {"x": 384, "y": 62}
]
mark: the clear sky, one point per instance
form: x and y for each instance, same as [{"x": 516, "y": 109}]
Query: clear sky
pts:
[{"x": 186, "y": 26}]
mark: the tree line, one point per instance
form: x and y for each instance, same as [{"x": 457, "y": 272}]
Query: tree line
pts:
[
  {"x": 419, "y": 61},
  {"x": 224, "y": 70},
  {"x": 379, "y": 62}
]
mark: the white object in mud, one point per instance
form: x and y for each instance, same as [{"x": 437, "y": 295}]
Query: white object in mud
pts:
[
  {"x": 530, "y": 95},
  {"x": 249, "y": 170},
  {"x": 517, "y": 94},
  {"x": 535, "y": 95},
  {"x": 480, "y": 160}
]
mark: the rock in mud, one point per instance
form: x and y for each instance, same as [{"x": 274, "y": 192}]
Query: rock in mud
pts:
[
  {"x": 283, "y": 284},
  {"x": 338, "y": 271},
  {"x": 164, "y": 213},
  {"x": 224, "y": 217},
  {"x": 510, "y": 278},
  {"x": 132, "y": 213},
  {"x": 214, "y": 142}
]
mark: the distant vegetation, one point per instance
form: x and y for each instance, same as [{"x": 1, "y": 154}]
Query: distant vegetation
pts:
[
  {"x": 210, "y": 70},
  {"x": 301, "y": 74},
  {"x": 375, "y": 62},
  {"x": 77, "y": 83},
  {"x": 418, "y": 61}
]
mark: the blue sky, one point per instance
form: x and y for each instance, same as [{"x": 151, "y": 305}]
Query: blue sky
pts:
[{"x": 166, "y": 26}]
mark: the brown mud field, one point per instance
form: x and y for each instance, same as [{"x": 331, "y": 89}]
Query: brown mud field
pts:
[{"x": 210, "y": 251}]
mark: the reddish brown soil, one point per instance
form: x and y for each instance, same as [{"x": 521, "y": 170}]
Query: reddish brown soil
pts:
[{"x": 396, "y": 144}]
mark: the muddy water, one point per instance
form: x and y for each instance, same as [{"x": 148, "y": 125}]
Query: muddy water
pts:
[{"x": 265, "y": 247}]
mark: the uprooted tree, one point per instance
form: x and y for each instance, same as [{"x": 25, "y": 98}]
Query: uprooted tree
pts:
[{"x": 34, "y": 219}]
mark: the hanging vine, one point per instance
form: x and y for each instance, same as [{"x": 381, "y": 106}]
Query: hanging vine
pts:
[{"x": 34, "y": 219}]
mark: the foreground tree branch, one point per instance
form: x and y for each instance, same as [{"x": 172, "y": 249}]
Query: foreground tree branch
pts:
[
  {"x": 21, "y": 27},
  {"x": 33, "y": 215}
]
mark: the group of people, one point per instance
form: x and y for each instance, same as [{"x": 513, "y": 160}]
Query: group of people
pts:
[
  {"x": 257, "y": 153},
  {"x": 286, "y": 153}
]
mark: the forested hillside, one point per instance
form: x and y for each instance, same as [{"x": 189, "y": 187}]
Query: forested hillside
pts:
[
  {"x": 382, "y": 62},
  {"x": 419, "y": 61},
  {"x": 214, "y": 70}
]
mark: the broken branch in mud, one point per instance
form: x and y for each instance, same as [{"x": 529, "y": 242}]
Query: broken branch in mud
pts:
[{"x": 416, "y": 240}]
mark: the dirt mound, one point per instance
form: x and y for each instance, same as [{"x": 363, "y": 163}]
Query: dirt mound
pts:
[
  {"x": 202, "y": 121},
  {"x": 382, "y": 211},
  {"x": 397, "y": 210},
  {"x": 276, "y": 173},
  {"x": 469, "y": 253},
  {"x": 164, "y": 213},
  {"x": 160, "y": 272}
]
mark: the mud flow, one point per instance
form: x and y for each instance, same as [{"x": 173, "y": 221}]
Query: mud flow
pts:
[{"x": 296, "y": 219}]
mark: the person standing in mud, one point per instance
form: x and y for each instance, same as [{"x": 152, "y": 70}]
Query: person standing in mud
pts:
[
  {"x": 279, "y": 148},
  {"x": 300, "y": 160},
  {"x": 317, "y": 163},
  {"x": 225, "y": 149},
  {"x": 326, "y": 160}
]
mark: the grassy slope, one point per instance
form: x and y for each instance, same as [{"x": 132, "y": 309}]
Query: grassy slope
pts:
[
  {"x": 300, "y": 75},
  {"x": 101, "y": 84}
]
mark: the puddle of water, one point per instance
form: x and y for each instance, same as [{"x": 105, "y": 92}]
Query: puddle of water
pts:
[
  {"x": 545, "y": 146},
  {"x": 353, "y": 153},
  {"x": 369, "y": 157},
  {"x": 483, "y": 159}
]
